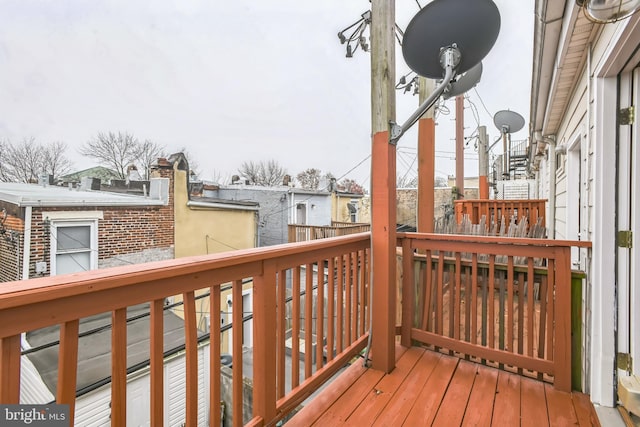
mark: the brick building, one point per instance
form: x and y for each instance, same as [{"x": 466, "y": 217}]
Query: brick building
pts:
[{"x": 47, "y": 230}]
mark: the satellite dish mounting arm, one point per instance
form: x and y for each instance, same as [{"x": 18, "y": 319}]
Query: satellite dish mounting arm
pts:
[{"x": 449, "y": 59}]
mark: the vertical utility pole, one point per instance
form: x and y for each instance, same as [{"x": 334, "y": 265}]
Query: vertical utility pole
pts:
[
  {"x": 426, "y": 160},
  {"x": 383, "y": 185},
  {"x": 483, "y": 159},
  {"x": 460, "y": 146}
]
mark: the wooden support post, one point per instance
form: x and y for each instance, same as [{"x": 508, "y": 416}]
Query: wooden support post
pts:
[
  {"x": 460, "y": 147},
  {"x": 383, "y": 184},
  {"x": 483, "y": 158},
  {"x": 426, "y": 161}
]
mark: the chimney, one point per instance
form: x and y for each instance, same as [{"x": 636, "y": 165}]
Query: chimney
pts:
[{"x": 286, "y": 180}]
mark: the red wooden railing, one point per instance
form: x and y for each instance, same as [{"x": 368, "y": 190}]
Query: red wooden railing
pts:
[
  {"x": 495, "y": 210},
  {"x": 304, "y": 233},
  {"x": 499, "y": 301},
  {"x": 319, "y": 288},
  {"x": 464, "y": 294}
]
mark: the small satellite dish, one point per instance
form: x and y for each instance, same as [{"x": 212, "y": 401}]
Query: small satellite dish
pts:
[
  {"x": 471, "y": 25},
  {"x": 464, "y": 82},
  {"x": 508, "y": 121}
]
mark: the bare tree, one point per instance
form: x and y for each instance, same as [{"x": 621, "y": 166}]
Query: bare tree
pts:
[
  {"x": 406, "y": 181},
  {"x": 266, "y": 174},
  {"x": 149, "y": 154},
  {"x": 309, "y": 179},
  {"x": 54, "y": 160},
  {"x": 350, "y": 186},
  {"x": 27, "y": 160},
  {"x": 113, "y": 150},
  {"x": 24, "y": 161}
]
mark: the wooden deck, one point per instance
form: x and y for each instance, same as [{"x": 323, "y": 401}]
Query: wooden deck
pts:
[{"x": 429, "y": 388}]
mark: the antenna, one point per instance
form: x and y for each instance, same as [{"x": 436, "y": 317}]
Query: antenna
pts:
[{"x": 444, "y": 39}]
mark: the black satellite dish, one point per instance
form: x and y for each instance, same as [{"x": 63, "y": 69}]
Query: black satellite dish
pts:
[
  {"x": 447, "y": 38},
  {"x": 464, "y": 82},
  {"x": 471, "y": 25},
  {"x": 508, "y": 121}
]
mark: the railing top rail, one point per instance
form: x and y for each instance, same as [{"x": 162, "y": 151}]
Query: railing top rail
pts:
[
  {"x": 18, "y": 293},
  {"x": 463, "y": 238},
  {"x": 498, "y": 201}
]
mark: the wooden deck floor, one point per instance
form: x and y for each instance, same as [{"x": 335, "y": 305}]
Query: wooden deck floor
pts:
[{"x": 429, "y": 388}]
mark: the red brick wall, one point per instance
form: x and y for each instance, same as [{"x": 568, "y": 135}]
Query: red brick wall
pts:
[
  {"x": 11, "y": 249},
  {"x": 123, "y": 230}
]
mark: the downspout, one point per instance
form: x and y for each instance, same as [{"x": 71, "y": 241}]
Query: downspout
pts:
[
  {"x": 26, "y": 247},
  {"x": 541, "y": 143}
]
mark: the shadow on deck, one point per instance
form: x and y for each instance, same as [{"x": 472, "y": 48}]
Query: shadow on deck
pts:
[{"x": 430, "y": 388}]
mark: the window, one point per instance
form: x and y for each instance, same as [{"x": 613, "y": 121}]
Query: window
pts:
[
  {"x": 353, "y": 210},
  {"x": 74, "y": 246}
]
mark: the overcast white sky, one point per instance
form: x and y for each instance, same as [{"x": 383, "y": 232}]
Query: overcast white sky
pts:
[{"x": 231, "y": 81}]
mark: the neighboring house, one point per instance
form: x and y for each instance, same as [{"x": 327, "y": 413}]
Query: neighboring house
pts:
[
  {"x": 105, "y": 175},
  {"x": 586, "y": 162},
  {"x": 54, "y": 230},
  {"x": 407, "y": 202},
  {"x": 346, "y": 207},
  {"x": 206, "y": 225},
  {"x": 279, "y": 207}
]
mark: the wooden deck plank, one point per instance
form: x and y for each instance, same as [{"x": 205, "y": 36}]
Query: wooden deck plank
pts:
[
  {"x": 560, "y": 405},
  {"x": 451, "y": 411},
  {"x": 533, "y": 404},
  {"x": 506, "y": 409},
  {"x": 584, "y": 410},
  {"x": 480, "y": 406},
  {"x": 338, "y": 413},
  {"x": 316, "y": 408},
  {"x": 400, "y": 404},
  {"x": 380, "y": 396},
  {"x": 432, "y": 393},
  {"x": 430, "y": 388}
]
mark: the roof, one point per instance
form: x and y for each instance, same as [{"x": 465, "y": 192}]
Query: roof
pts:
[
  {"x": 213, "y": 202},
  {"x": 101, "y": 172},
  {"x": 52, "y": 196},
  {"x": 94, "y": 349}
]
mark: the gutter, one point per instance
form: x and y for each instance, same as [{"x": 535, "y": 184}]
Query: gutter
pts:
[
  {"x": 541, "y": 143},
  {"x": 213, "y": 205}
]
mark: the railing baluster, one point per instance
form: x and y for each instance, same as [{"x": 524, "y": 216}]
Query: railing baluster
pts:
[
  {"x": 457, "y": 305},
  {"x": 281, "y": 332},
  {"x": 552, "y": 289},
  {"x": 340, "y": 306},
  {"x": 348, "y": 271},
  {"x": 10, "y": 369},
  {"x": 156, "y": 356},
  {"x": 453, "y": 302},
  {"x": 214, "y": 356},
  {"x": 362, "y": 263},
  {"x": 543, "y": 330},
  {"x": 295, "y": 329},
  {"x": 510, "y": 316},
  {"x": 474, "y": 298},
  {"x": 427, "y": 323},
  {"x": 521, "y": 310},
  {"x": 119, "y": 367},
  {"x": 68, "y": 366},
  {"x": 562, "y": 350},
  {"x": 237, "y": 332},
  {"x": 191, "y": 355},
  {"x": 408, "y": 292},
  {"x": 320, "y": 316},
  {"x": 530, "y": 306},
  {"x": 330, "y": 308},
  {"x": 354, "y": 297},
  {"x": 491, "y": 302},
  {"x": 308, "y": 322},
  {"x": 440, "y": 295},
  {"x": 467, "y": 305}
]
